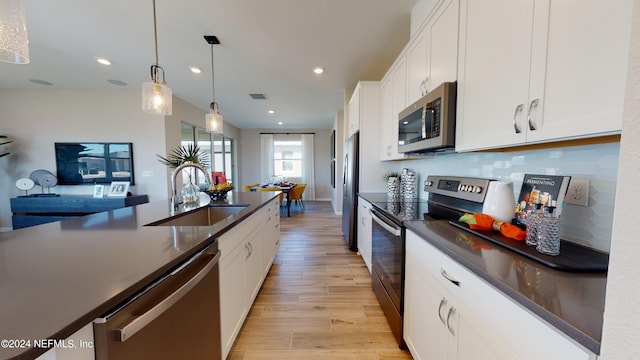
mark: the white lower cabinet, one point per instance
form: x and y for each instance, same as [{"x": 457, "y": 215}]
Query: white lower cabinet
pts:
[
  {"x": 364, "y": 231},
  {"x": 243, "y": 269},
  {"x": 470, "y": 320},
  {"x": 272, "y": 234}
]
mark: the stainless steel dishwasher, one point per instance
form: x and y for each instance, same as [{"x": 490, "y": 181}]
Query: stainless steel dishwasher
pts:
[{"x": 176, "y": 317}]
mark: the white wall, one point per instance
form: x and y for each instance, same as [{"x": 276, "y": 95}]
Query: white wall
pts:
[
  {"x": 621, "y": 314},
  {"x": 249, "y": 158},
  {"x": 589, "y": 226},
  {"x": 35, "y": 119}
]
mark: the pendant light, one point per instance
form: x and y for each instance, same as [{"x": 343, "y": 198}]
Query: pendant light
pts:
[
  {"x": 14, "y": 42},
  {"x": 213, "y": 119},
  {"x": 156, "y": 96}
]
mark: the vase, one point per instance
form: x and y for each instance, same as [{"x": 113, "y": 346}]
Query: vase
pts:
[
  {"x": 393, "y": 187},
  {"x": 190, "y": 193}
]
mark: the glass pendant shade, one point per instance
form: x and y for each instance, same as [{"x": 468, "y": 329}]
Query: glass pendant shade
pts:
[
  {"x": 214, "y": 122},
  {"x": 156, "y": 98},
  {"x": 14, "y": 42}
]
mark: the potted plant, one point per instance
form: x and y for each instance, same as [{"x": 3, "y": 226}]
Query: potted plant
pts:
[
  {"x": 182, "y": 154},
  {"x": 4, "y": 142}
]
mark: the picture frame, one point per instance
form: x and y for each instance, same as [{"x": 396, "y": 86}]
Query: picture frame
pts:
[
  {"x": 98, "y": 191},
  {"x": 118, "y": 188}
]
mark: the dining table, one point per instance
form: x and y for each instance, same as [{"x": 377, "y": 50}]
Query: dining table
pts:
[{"x": 285, "y": 188}]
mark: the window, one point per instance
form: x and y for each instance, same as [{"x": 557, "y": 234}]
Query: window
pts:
[
  {"x": 287, "y": 156},
  {"x": 219, "y": 148}
]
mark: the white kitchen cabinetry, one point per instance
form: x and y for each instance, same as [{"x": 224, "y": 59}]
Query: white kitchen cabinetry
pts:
[
  {"x": 272, "y": 233},
  {"x": 417, "y": 72},
  {"x": 242, "y": 271},
  {"x": 432, "y": 55},
  {"x": 393, "y": 100},
  {"x": 539, "y": 71},
  {"x": 364, "y": 231},
  {"x": 452, "y": 314},
  {"x": 354, "y": 112},
  {"x": 367, "y": 96}
]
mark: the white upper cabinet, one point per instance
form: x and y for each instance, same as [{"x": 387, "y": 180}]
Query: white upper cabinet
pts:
[
  {"x": 417, "y": 73},
  {"x": 442, "y": 60},
  {"x": 393, "y": 100},
  {"x": 539, "y": 71},
  {"x": 432, "y": 55},
  {"x": 429, "y": 59}
]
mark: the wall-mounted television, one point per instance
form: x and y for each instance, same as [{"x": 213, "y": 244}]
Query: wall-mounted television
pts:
[{"x": 94, "y": 162}]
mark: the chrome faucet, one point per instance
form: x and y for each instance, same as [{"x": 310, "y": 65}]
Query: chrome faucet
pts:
[{"x": 175, "y": 203}]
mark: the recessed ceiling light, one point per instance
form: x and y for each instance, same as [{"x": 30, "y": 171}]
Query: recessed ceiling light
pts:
[
  {"x": 103, "y": 61},
  {"x": 195, "y": 70},
  {"x": 280, "y": 123},
  {"x": 40, "y": 82},
  {"x": 117, "y": 82},
  {"x": 318, "y": 70},
  {"x": 271, "y": 111}
]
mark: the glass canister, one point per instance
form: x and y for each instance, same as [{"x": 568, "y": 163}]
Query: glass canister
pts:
[
  {"x": 549, "y": 235},
  {"x": 533, "y": 224}
]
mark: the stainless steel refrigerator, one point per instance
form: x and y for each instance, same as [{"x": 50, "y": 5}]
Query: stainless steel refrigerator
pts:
[{"x": 350, "y": 191}]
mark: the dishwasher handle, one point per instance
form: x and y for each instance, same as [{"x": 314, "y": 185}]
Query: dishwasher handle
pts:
[
  {"x": 139, "y": 322},
  {"x": 393, "y": 229}
]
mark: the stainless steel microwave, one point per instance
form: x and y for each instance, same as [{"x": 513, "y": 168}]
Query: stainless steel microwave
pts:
[{"x": 429, "y": 123}]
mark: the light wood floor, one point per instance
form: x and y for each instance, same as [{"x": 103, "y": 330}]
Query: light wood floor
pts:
[{"x": 317, "y": 301}]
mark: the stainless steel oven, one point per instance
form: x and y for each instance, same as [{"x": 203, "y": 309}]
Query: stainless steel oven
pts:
[{"x": 387, "y": 275}]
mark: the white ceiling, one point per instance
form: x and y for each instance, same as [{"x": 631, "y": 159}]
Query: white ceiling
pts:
[{"x": 267, "y": 46}]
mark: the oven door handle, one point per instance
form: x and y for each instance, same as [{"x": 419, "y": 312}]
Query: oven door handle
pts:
[{"x": 384, "y": 224}]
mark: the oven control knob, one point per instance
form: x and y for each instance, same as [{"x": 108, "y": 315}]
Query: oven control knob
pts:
[
  {"x": 428, "y": 183},
  {"x": 477, "y": 189},
  {"x": 462, "y": 187}
]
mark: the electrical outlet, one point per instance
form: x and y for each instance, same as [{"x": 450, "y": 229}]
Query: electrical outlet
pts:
[{"x": 578, "y": 192}]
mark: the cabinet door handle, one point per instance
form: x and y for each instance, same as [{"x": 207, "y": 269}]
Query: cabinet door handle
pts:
[
  {"x": 452, "y": 312},
  {"x": 533, "y": 106},
  {"x": 519, "y": 109},
  {"x": 443, "y": 302},
  {"x": 449, "y": 277}
]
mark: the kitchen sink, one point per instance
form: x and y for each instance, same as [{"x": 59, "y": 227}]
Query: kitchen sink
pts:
[{"x": 205, "y": 216}]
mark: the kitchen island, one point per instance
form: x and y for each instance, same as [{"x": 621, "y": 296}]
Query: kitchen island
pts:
[{"x": 56, "y": 278}]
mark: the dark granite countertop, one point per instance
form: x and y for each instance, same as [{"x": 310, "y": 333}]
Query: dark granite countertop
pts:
[
  {"x": 572, "y": 302},
  {"x": 55, "y": 278}
]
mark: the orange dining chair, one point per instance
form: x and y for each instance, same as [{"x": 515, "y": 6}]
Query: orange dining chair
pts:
[{"x": 296, "y": 195}]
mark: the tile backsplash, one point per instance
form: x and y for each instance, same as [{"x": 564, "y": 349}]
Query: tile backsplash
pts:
[{"x": 589, "y": 226}]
